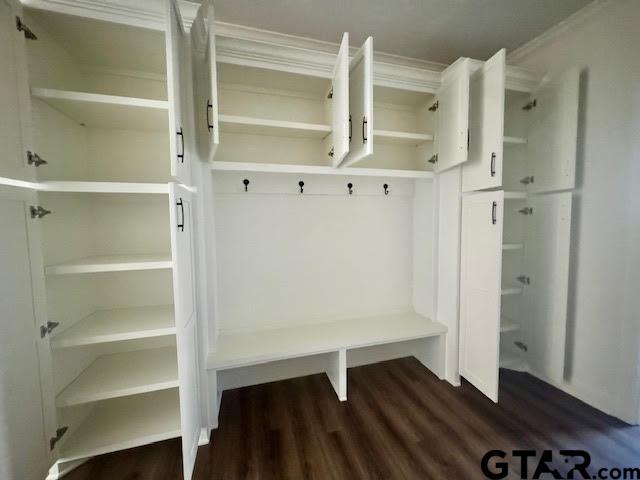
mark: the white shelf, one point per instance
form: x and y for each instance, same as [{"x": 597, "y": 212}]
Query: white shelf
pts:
[
  {"x": 511, "y": 290},
  {"x": 122, "y": 374},
  {"x": 111, "y": 263},
  {"x": 403, "y": 138},
  {"x": 107, "y": 111},
  {"x": 254, "y": 347},
  {"x": 510, "y": 360},
  {"x": 317, "y": 170},
  {"x": 515, "y": 196},
  {"x": 103, "y": 187},
  {"x": 512, "y": 246},
  {"x": 508, "y": 325},
  {"x": 125, "y": 423},
  {"x": 119, "y": 324},
  {"x": 514, "y": 141},
  {"x": 264, "y": 126}
]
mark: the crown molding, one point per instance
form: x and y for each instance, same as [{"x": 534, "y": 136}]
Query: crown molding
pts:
[{"x": 559, "y": 29}]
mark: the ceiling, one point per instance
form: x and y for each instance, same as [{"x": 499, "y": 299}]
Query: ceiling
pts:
[{"x": 434, "y": 30}]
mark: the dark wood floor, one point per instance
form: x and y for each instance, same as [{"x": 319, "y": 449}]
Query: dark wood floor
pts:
[{"x": 400, "y": 422}]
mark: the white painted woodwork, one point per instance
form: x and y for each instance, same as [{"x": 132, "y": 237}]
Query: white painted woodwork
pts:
[
  {"x": 553, "y": 132},
  {"x": 123, "y": 374},
  {"x": 14, "y": 96},
  {"x": 101, "y": 187},
  {"x": 184, "y": 270},
  {"x": 123, "y": 423},
  {"x": 259, "y": 346},
  {"x": 263, "y": 126},
  {"x": 340, "y": 124},
  {"x": 507, "y": 325},
  {"x": 453, "y": 116},
  {"x": 509, "y": 290},
  {"x": 514, "y": 140},
  {"x": 177, "y": 77},
  {"x": 546, "y": 261},
  {"x": 361, "y": 104},
  {"x": 110, "y": 263},
  {"x": 511, "y": 246},
  {"x": 337, "y": 373},
  {"x": 387, "y": 136},
  {"x": 106, "y": 111},
  {"x": 480, "y": 279},
  {"x": 483, "y": 168},
  {"x": 118, "y": 324}
]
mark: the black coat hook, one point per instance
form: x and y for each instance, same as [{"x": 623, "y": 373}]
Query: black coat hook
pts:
[
  {"x": 386, "y": 188},
  {"x": 246, "y": 184},
  {"x": 301, "y": 185},
  {"x": 350, "y": 187}
]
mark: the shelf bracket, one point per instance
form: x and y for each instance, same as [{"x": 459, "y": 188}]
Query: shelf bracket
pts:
[
  {"x": 48, "y": 328},
  {"x": 59, "y": 434},
  {"x": 35, "y": 159},
  {"x": 38, "y": 211}
]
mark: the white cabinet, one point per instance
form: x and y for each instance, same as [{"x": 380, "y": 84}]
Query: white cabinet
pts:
[{"x": 341, "y": 120}]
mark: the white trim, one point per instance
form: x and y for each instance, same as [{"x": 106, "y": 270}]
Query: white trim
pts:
[{"x": 559, "y": 29}]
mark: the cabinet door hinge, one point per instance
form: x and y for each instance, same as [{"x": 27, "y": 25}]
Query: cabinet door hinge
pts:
[
  {"x": 527, "y": 180},
  {"x": 38, "y": 211},
  {"x": 434, "y": 107},
  {"x": 433, "y": 159},
  {"x": 524, "y": 279},
  {"x": 331, "y": 152},
  {"x": 59, "y": 434},
  {"x": 531, "y": 105},
  {"x": 330, "y": 94},
  {"x": 521, "y": 345},
  {"x": 34, "y": 159},
  {"x": 526, "y": 211},
  {"x": 48, "y": 328},
  {"x": 21, "y": 27}
]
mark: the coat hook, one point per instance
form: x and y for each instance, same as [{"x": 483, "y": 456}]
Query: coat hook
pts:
[
  {"x": 350, "y": 187},
  {"x": 246, "y": 184},
  {"x": 386, "y": 188},
  {"x": 301, "y": 185}
]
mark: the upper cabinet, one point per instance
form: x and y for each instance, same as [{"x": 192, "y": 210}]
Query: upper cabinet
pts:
[
  {"x": 15, "y": 161},
  {"x": 339, "y": 95},
  {"x": 453, "y": 116},
  {"x": 177, "y": 87},
  {"x": 361, "y": 104},
  {"x": 205, "y": 81},
  {"x": 486, "y": 125}
]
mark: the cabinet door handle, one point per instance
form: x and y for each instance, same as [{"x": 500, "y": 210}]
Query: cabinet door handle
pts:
[
  {"x": 364, "y": 129},
  {"x": 180, "y": 204},
  {"x": 209, "y": 122},
  {"x": 493, "y": 164},
  {"x": 494, "y": 212},
  {"x": 181, "y": 135},
  {"x": 350, "y": 128}
]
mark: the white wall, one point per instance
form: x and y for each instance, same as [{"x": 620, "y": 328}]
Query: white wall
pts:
[{"x": 604, "y": 301}]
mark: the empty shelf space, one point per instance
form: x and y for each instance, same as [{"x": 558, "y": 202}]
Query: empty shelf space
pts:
[
  {"x": 512, "y": 246},
  {"x": 106, "y": 111},
  {"x": 122, "y": 374},
  {"x": 125, "y": 423},
  {"x": 511, "y": 290},
  {"x": 508, "y": 325},
  {"x": 404, "y": 138},
  {"x": 254, "y": 347},
  {"x": 514, "y": 141},
  {"x": 102, "y": 187},
  {"x": 317, "y": 170},
  {"x": 111, "y": 263},
  {"x": 264, "y": 126},
  {"x": 117, "y": 325}
]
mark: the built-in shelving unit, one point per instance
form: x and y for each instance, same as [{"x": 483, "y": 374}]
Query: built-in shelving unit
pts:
[
  {"x": 111, "y": 263},
  {"x": 102, "y": 187}
]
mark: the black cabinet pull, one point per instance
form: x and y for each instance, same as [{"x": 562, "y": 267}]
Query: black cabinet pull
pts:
[
  {"x": 209, "y": 122},
  {"x": 181, "y": 135},
  {"x": 494, "y": 208},
  {"x": 181, "y": 205},
  {"x": 493, "y": 164},
  {"x": 364, "y": 129},
  {"x": 350, "y": 128}
]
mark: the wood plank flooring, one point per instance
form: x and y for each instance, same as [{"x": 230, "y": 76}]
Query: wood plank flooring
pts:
[{"x": 400, "y": 422}]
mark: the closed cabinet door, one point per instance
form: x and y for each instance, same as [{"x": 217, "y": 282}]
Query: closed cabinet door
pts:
[
  {"x": 14, "y": 96},
  {"x": 546, "y": 263},
  {"x": 339, "y": 105},
  {"x": 480, "y": 290},
  {"x": 182, "y": 248},
  {"x": 483, "y": 168},
  {"x": 361, "y": 104},
  {"x": 553, "y": 132},
  {"x": 178, "y": 52},
  {"x": 453, "y": 116}
]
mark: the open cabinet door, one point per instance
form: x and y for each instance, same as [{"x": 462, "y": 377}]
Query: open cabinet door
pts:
[
  {"x": 177, "y": 78},
  {"x": 480, "y": 290},
  {"x": 361, "y": 104},
  {"x": 182, "y": 248},
  {"x": 546, "y": 262},
  {"x": 339, "y": 98},
  {"x": 483, "y": 168},
  {"x": 552, "y": 133},
  {"x": 453, "y": 116}
]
